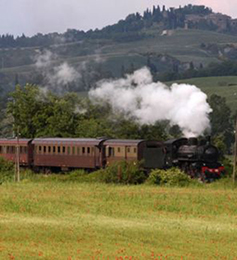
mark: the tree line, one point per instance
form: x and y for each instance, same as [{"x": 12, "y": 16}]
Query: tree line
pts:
[
  {"x": 35, "y": 113},
  {"x": 225, "y": 68},
  {"x": 130, "y": 28}
]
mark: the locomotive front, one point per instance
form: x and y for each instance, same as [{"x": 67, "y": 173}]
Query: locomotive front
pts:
[
  {"x": 199, "y": 159},
  {"x": 211, "y": 168}
]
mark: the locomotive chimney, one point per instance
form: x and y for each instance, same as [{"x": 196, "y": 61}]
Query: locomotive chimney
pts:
[{"x": 193, "y": 141}]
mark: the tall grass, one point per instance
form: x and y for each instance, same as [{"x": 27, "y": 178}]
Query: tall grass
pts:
[{"x": 47, "y": 219}]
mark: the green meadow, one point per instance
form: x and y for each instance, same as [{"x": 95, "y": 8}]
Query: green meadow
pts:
[{"x": 48, "y": 219}]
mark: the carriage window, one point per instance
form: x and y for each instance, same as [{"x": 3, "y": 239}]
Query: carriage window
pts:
[
  {"x": 59, "y": 149},
  {"x": 49, "y": 149},
  {"x": 40, "y": 149},
  {"x": 135, "y": 150},
  {"x": 73, "y": 150},
  {"x": 45, "y": 149},
  {"x": 69, "y": 150},
  {"x": 21, "y": 149},
  {"x": 1, "y": 149},
  {"x": 78, "y": 150},
  {"x": 119, "y": 150},
  {"x": 88, "y": 150},
  {"x": 128, "y": 150},
  {"x": 54, "y": 149},
  {"x": 111, "y": 151},
  {"x": 64, "y": 149},
  {"x": 83, "y": 150}
]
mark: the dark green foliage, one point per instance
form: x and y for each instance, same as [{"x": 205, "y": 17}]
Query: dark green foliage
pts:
[
  {"x": 225, "y": 68},
  {"x": 36, "y": 114},
  {"x": 221, "y": 122},
  {"x": 123, "y": 173},
  {"x": 6, "y": 171},
  {"x": 228, "y": 166},
  {"x": 171, "y": 177}
]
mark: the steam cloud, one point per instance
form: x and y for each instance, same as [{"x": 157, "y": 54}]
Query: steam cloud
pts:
[
  {"x": 137, "y": 94},
  {"x": 59, "y": 76}
]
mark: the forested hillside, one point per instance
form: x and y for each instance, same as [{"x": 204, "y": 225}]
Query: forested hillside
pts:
[
  {"x": 189, "y": 42},
  {"x": 175, "y": 43}
]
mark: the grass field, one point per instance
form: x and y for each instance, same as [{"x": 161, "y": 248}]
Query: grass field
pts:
[{"x": 53, "y": 220}]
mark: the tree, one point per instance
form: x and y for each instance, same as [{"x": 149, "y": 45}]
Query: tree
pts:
[
  {"x": 23, "y": 107},
  {"x": 221, "y": 120}
]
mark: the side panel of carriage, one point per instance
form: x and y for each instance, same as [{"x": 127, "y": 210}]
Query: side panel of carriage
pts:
[
  {"x": 68, "y": 153},
  {"x": 8, "y": 150}
]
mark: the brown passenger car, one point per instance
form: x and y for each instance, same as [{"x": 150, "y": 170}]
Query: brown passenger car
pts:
[
  {"x": 150, "y": 152},
  {"x": 68, "y": 153},
  {"x": 8, "y": 150}
]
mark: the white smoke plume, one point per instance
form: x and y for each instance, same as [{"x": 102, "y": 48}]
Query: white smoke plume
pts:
[
  {"x": 56, "y": 76},
  {"x": 63, "y": 75},
  {"x": 43, "y": 60},
  {"x": 148, "y": 101}
]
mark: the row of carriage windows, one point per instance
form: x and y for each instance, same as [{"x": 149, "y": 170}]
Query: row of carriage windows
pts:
[
  {"x": 116, "y": 151},
  {"x": 112, "y": 151},
  {"x": 72, "y": 150},
  {"x": 12, "y": 149},
  {"x": 65, "y": 150}
]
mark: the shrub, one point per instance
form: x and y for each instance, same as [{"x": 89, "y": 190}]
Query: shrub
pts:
[
  {"x": 6, "y": 170},
  {"x": 123, "y": 172},
  {"x": 171, "y": 177}
]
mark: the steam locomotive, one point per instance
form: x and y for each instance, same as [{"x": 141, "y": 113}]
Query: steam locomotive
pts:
[{"x": 199, "y": 159}]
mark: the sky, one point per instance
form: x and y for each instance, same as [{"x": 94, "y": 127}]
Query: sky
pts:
[{"x": 44, "y": 16}]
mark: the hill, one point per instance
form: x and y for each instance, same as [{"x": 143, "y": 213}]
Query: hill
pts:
[
  {"x": 168, "y": 41},
  {"x": 98, "y": 59}
]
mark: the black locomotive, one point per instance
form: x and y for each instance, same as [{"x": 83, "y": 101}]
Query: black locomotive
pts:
[{"x": 199, "y": 159}]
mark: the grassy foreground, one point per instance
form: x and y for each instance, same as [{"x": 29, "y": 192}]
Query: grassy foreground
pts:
[{"x": 53, "y": 220}]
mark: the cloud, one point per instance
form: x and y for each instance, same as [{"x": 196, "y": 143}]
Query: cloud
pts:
[{"x": 148, "y": 101}]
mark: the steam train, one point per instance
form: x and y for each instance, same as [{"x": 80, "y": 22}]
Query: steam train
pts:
[{"x": 199, "y": 159}]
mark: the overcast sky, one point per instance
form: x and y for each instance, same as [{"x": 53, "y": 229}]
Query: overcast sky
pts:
[{"x": 33, "y": 16}]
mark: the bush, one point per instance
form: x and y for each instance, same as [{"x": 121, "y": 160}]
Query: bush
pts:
[
  {"x": 171, "y": 177},
  {"x": 123, "y": 172},
  {"x": 6, "y": 170}
]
